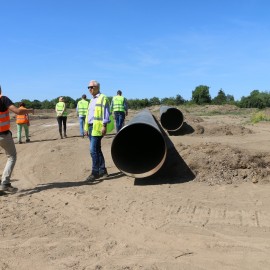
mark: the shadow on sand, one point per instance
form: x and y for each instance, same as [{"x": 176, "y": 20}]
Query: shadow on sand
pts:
[
  {"x": 185, "y": 129},
  {"x": 59, "y": 185},
  {"x": 174, "y": 169}
]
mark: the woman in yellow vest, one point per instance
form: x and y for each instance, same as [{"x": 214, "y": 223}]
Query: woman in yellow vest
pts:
[
  {"x": 98, "y": 122},
  {"x": 22, "y": 121},
  {"x": 61, "y": 113}
]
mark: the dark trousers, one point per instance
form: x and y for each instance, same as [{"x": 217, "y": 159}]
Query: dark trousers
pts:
[{"x": 62, "y": 121}]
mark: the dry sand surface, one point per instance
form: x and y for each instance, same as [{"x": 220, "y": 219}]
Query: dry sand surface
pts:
[{"x": 208, "y": 208}]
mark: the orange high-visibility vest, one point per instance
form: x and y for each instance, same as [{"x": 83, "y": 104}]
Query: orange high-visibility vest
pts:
[
  {"x": 4, "y": 121},
  {"x": 22, "y": 119}
]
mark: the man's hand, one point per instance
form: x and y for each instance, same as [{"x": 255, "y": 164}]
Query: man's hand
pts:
[{"x": 103, "y": 131}]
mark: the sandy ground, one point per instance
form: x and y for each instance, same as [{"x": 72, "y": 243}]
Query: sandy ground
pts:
[{"x": 208, "y": 209}]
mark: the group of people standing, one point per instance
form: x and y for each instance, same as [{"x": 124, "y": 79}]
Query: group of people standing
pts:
[
  {"x": 119, "y": 107},
  {"x": 95, "y": 118}
]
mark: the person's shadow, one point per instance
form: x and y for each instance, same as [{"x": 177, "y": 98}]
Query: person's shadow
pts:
[
  {"x": 2, "y": 193},
  {"x": 55, "y": 139},
  {"x": 59, "y": 185},
  {"x": 173, "y": 171}
]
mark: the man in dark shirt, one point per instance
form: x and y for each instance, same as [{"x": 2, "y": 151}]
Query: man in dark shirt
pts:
[{"x": 6, "y": 140}]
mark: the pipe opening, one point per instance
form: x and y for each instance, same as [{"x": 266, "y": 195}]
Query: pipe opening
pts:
[
  {"x": 172, "y": 119},
  {"x": 138, "y": 149}
]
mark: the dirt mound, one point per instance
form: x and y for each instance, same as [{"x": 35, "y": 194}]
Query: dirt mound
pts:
[
  {"x": 221, "y": 130},
  {"x": 215, "y": 164},
  {"x": 214, "y": 109}
]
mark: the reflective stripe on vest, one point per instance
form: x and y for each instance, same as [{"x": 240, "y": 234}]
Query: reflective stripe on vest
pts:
[
  {"x": 98, "y": 116},
  {"x": 22, "y": 119},
  {"x": 82, "y": 107},
  {"x": 4, "y": 121},
  {"x": 118, "y": 104}
]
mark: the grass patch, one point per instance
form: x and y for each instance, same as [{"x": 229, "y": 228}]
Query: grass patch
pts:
[{"x": 259, "y": 117}]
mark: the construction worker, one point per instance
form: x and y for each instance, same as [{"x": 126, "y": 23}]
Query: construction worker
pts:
[
  {"x": 81, "y": 109},
  {"x": 6, "y": 140},
  {"x": 61, "y": 113},
  {"x": 22, "y": 121},
  {"x": 97, "y": 123},
  {"x": 120, "y": 108}
]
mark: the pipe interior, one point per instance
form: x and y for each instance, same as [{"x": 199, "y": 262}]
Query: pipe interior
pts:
[
  {"x": 138, "y": 148},
  {"x": 172, "y": 119}
]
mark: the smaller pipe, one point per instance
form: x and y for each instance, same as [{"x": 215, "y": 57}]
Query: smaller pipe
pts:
[{"x": 171, "y": 118}]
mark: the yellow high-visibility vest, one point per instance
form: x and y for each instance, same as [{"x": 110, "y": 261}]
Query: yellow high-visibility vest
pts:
[
  {"x": 98, "y": 117},
  {"x": 118, "y": 104},
  {"x": 60, "y": 107},
  {"x": 82, "y": 107}
]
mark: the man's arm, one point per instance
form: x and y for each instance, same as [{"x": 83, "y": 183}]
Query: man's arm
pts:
[
  {"x": 111, "y": 106},
  {"x": 20, "y": 111},
  {"x": 106, "y": 116},
  {"x": 126, "y": 106}
]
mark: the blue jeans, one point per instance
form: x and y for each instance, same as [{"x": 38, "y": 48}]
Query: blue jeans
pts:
[
  {"x": 82, "y": 120},
  {"x": 98, "y": 161},
  {"x": 119, "y": 120}
]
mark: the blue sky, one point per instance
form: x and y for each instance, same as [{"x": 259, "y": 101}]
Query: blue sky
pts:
[{"x": 146, "y": 48}]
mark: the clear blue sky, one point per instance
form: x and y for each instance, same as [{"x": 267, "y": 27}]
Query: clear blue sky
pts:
[{"x": 146, "y": 48}]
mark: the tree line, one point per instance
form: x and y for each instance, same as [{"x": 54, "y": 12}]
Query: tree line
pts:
[{"x": 200, "y": 96}]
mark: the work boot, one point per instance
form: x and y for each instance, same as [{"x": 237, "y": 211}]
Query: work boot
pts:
[
  {"x": 8, "y": 188},
  {"x": 92, "y": 178},
  {"x": 103, "y": 174},
  {"x": 27, "y": 140}
]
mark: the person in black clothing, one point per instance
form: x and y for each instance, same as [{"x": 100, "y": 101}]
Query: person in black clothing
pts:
[{"x": 6, "y": 140}]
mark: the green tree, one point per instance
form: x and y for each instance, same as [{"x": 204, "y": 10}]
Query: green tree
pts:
[
  {"x": 135, "y": 104},
  {"x": 27, "y": 102},
  {"x": 201, "y": 95},
  {"x": 36, "y": 104},
  {"x": 256, "y": 99},
  {"x": 167, "y": 101},
  {"x": 46, "y": 104},
  {"x": 179, "y": 100},
  {"x": 230, "y": 99},
  {"x": 154, "y": 101},
  {"x": 220, "y": 98}
]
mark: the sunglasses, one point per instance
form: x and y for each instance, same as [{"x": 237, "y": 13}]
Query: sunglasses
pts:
[{"x": 91, "y": 87}]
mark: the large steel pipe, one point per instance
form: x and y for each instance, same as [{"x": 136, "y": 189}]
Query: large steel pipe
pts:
[
  {"x": 171, "y": 118},
  {"x": 139, "y": 148}
]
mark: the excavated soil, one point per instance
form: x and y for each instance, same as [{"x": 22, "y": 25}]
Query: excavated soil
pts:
[{"x": 206, "y": 208}]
